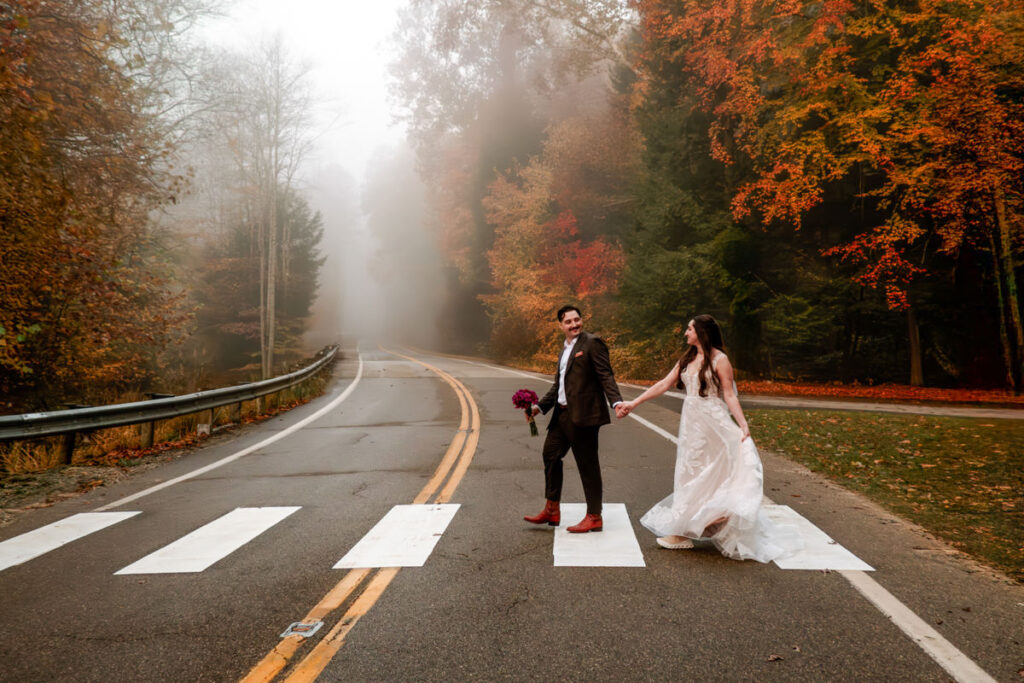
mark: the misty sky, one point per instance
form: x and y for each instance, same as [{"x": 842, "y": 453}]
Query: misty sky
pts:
[{"x": 344, "y": 42}]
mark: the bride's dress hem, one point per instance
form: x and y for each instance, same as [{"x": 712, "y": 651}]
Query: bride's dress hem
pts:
[{"x": 719, "y": 475}]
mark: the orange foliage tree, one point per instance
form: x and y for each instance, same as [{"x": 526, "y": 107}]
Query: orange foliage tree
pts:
[
  {"x": 83, "y": 284},
  {"x": 919, "y": 107},
  {"x": 539, "y": 262}
]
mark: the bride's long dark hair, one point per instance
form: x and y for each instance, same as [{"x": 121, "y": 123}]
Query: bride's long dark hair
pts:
[{"x": 709, "y": 337}]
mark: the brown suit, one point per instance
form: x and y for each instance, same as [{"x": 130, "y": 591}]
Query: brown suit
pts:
[{"x": 589, "y": 381}]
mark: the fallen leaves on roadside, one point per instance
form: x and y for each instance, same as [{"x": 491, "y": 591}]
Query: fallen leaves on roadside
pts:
[{"x": 887, "y": 392}]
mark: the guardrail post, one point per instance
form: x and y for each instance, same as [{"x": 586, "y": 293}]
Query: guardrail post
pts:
[
  {"x": 146, "y": 434},
  {"x": 205, "y": 428},
  {"x": 148, "y": 429},
  {"x": 68, "y": 447}
]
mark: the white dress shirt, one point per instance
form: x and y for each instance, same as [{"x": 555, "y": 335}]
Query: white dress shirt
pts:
[{"x": 563, "y": 362}]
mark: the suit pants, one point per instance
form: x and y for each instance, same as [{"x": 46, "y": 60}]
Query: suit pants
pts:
[{"x": 563, "y": 435}]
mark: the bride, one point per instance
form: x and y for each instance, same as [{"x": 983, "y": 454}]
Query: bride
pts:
[{"x": 718, "y": 477}]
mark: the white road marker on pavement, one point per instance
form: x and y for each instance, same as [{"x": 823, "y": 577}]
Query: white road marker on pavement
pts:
[
  {"x": 34, "y": 543},
  {"x": 206, "y": 545},
  {"x": 956, "y": 663},
  {"x": 819, "y": 551},
  {"x": 654, "y": 428},
  {"x": 246, "y": 451},
  {"x": 404, "y": 537},
  {"x": 615, "y": 546}
]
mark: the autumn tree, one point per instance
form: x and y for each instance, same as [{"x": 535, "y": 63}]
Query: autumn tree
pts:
[
  {"x": 228, "y": 292},
  {"x": 257, "y": 116},
  {"x": 900, "y": 115},
  {"x": 544, "y": 254},
  {"x": 477, "y": 83},
  {"x": 85, "y": 296}
]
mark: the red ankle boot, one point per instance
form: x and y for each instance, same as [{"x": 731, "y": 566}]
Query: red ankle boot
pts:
[
  {"x": 550, "y": 514},
  {"x": 588, "y": 523}
]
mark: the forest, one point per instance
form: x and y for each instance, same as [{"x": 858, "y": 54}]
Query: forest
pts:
[
  {"x": 840, "y": 183},
  {"x": 153, "y": 237}
]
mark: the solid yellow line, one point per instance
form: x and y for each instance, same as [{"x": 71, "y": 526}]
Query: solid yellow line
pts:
[
  {"x": 457, "y": 444},
  {"x": 467, "y": 456},
  {"x": 277, "y": 659},
  {"x": 313, "y": 664},
  {"x": 466, "y": 440}
]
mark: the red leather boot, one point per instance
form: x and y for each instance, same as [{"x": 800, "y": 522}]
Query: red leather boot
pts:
[
  {"x": 588, "y": 523},
  {"x": 550, "y": 515}
]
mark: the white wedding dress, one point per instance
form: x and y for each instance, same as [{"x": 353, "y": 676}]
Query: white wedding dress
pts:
[{"x": 718, "y": 477}]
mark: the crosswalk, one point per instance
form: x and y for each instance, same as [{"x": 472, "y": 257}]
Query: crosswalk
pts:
[
  {"x": 206, "y": 545},
  {"x": 405, "y": 537},
  {"x": 31, "y": 545}
]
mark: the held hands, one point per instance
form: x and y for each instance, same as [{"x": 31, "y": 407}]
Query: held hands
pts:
[
  {"x": 535, "y": 409},
  {"x": 624, "y": 408},
  {"x": 746, "y": 433}
]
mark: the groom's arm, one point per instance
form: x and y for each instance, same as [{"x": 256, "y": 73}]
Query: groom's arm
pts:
[
  {"x": 548, "y": 402},
  {"x": 603, "y": 368}
]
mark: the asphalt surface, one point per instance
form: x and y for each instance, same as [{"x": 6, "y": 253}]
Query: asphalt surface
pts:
[{"x": 488, "y": 604}]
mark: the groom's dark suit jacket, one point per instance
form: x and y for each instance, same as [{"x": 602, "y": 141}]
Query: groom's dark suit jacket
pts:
[{"x": 588, "y": 381}]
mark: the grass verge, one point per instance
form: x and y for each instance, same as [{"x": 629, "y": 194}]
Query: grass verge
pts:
[{"x": 960, "y": 478}]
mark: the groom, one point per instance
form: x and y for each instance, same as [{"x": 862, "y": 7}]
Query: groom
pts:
[{"x": 578, "y": 394}]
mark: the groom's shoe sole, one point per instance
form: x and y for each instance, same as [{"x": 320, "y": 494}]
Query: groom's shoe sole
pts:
[
  {"x": 549, "y": 522},
  {"x": 585, "y": 526}
]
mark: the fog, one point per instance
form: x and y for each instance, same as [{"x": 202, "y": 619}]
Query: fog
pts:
[{"x": 381, "y": 277}]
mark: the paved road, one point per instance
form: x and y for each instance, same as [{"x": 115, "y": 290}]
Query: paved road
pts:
[{"x": 488, "y": 603}]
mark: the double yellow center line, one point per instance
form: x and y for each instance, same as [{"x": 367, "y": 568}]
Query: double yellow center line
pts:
[{"x": 454, "y": 463}]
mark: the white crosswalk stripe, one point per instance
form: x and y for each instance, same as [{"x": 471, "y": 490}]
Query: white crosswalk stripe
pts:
[
  {"x": 404, "y": 537},
  {"x": 40, "y": 541},
  {"x": 614, "y": 546},
  {"x": 819, "y": 551},
  {"x": 206, "y": 545}
]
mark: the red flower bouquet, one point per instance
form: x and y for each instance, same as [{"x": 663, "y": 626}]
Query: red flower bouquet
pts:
[{"x": 524, "y": 399}]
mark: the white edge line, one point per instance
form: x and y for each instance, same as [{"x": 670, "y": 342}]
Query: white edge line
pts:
[
  {"x": 536, "y": 375},
  {"x": 655, "y": 428},
  {"x": 956, "y": 663},
  {"x": 231, "y": 458}
]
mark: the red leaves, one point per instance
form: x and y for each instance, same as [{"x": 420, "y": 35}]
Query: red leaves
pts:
[
  {"x": 793, "y": 88},
  {"x": 886, "y": 392}
]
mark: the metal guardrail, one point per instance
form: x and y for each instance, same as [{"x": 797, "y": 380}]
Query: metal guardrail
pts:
[{"x": 69, "y": 422}]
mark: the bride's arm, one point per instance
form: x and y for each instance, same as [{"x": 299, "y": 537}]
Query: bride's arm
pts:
[
  {"x": 653, "y": 391},
  {"x": 724, "y": 370}
]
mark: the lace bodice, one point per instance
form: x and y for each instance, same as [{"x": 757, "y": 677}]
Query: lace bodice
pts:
[{"x": 691, "y": 379}]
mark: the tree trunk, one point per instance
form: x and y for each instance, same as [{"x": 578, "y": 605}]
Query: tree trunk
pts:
[
  {"x": 262, "y": 242},
  {"x": 1012, "y": 298},
  {"x": 1001, "y": 300},
  {"x": 914, "y": 335},
  {"x": 272, "y": 248}
]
